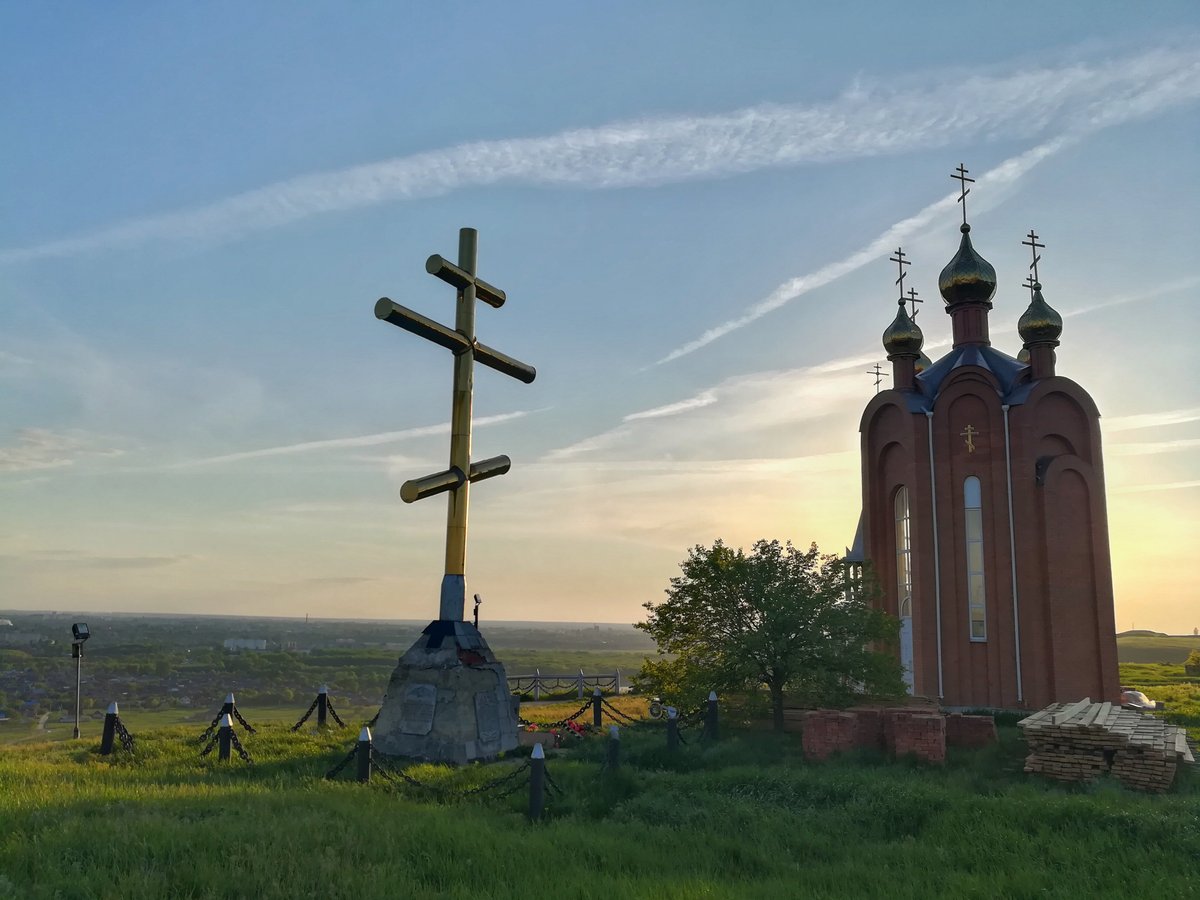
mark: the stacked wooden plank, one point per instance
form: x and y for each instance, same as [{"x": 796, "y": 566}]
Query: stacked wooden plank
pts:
[{"x": 1080, "y": 741}]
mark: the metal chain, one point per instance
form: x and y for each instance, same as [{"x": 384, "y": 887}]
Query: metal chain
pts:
[
  {"x": 497, "y": 782},
  {"x": 561, "y": 722},
  {"x": 304, "y": 718},
  {"x": 333, "y": 712},
  {"x": 124, "y": 735},
  {"x": 622, "y": 717},
  {"x": 552, "y": 784},
  {"x": 337, "y": 770},
  {"x": 207, "y": 750},
  {"x": 237, "y": 745},
  {"x": 245, "y": 724},
  {"x": 212, "y": 726}
]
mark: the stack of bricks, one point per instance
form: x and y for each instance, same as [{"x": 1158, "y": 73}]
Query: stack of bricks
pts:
[
  {"x": 922, "y": 735},
  {"x": 1080, "y": 741},
  {"x": 827, "y": 731},
  {"x": 970, "y": 731}
]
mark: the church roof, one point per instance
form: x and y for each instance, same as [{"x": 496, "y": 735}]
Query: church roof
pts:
[{"x": 1011, "y": 375}]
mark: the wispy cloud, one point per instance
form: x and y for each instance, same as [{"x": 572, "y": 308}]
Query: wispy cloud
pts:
[
  {"x": 1151, "y": 420},
  {"x": 1154, "y": 447},
  {"x": 75, "y": 558},
  {"x": 41, "y": 448},
  {"x": 705, "y": 398},
  {"x": 866, "y": 121},
  {"x": 1166, "y": 486},
  {"x": 364, "y": 440}
]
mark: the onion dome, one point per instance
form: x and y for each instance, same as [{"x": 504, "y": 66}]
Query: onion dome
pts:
[
  {"x": 1040, "y": 323},
  {"x": 968, "y": 277},
  {"x": 923, "y": 362},
  {"x": 903, "y": 337}
]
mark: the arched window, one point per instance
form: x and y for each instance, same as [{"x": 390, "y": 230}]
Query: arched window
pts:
[
  {"x": 903, "y": 554},
  {"x": 976, "y": 605}
]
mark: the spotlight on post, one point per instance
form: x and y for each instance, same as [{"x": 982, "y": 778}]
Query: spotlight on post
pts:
[{"x": 80, "y": 633}]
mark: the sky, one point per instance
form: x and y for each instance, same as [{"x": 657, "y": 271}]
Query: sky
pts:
[{"x": 690, "y": 206}]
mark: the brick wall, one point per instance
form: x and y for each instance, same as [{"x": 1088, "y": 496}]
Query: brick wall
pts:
[
  {"x": 970, "y": 731},
  {"x": 921, "y": 735},
  {"x": 826, "y": 732}
]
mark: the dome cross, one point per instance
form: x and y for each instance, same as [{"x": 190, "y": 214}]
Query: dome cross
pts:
[
  {"x": 900, "y": 262},
  {"x": 962, "y": 178},
  {"x": 1034, "y": 246}
]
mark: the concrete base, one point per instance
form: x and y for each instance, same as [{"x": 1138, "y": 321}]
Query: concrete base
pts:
[{"x": 448, "y": 699}]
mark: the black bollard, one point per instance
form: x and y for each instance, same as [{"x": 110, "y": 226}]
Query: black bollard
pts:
[
  {"x": 364, "y": 755},
  {"x": 322, "y": 705},
  {"x": 110, "y": 730},
  {"x": 225, "y": 737},
  {"x": 228, "y": 705},
  {"x": 614, "y": 747},
  {"x": 672, "y": 729},
  {"x": 710, "y": 717},
  {"x": 537, "y": 782},
  {"x": 596, "y": 708}
]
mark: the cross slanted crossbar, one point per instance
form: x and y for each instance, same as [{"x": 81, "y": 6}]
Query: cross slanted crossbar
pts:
[{"x": 457, "y": 479}]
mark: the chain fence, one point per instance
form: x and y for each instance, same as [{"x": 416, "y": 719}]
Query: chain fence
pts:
[{"x": 123, "y": 735}]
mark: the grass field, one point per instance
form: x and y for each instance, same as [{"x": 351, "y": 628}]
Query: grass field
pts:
[
  {"x": 1154, "y": 649},
  {"x": 743, "y": 818}
]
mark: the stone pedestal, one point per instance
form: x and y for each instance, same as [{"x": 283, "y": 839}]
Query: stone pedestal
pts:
[{"x": 448, "y": 699}]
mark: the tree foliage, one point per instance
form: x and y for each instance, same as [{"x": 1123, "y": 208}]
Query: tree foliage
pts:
[{"x": 776, "y": 616}]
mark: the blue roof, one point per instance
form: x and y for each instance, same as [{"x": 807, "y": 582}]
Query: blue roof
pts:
[{"x": 1012, "y": 376}]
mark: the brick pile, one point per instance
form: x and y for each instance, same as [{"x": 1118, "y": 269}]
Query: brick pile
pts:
[
  {"x": 827, "y": 731},
  {"x": 922, "y": 735},
  {"x": 1080, "y": 741},
  {"x": 970, "y": 731}
]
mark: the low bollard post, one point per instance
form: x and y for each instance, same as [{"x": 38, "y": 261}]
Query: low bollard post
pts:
[
  {"x": 322, "y": 705},
  {"x": 364, "y": 755},
  {"x": 537, "y": 684},
  {"x": 614, "y": 747},
  {"x": 617, "y": 678},
  {"x": 596, "y": 708},
  {"x": 581, "y": 684},
  {"x": 672, "y": 729},
  {"x": 225, "y": 737},
  {"x": 110, "y": 730},
  {"x": 711, "y": 717},
  {"x": 537, "y": 782},
  {"x": 228, "y": 706}
]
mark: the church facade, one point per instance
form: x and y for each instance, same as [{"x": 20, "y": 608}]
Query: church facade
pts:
[{"x": 983, "y": 508}]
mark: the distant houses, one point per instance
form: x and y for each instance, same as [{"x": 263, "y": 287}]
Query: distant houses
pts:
[{"x": 245, "y": 644}]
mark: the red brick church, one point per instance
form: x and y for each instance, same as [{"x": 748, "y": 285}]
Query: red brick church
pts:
[{"x": 983, "y": 507}]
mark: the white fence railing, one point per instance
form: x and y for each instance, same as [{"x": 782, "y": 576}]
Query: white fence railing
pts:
[{"x": 582, "y": 684}]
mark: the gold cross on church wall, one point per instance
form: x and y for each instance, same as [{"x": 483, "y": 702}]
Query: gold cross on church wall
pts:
[{"x": 969, "y": 433}]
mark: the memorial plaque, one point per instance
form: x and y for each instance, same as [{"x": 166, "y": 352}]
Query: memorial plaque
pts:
[
  {"x": 416, "y": 713},
  {"x": 487, "y": 716}
]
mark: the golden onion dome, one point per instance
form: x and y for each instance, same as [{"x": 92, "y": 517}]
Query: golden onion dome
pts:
[
  {"x": 968, "y": 277},
  {"x": 1040, "y": 323},
  {"x": 1023, "y": 357},
  {"x": 923, "y": 362},
  {"x": 903, "y": 336}
]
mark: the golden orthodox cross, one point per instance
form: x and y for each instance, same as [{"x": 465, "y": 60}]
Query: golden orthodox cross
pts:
[
  {"x": 963, "y": 179},
  {"x": 1034, "y": 246},
  {"x": 913, "y": 300},
  {"x": 900, "y": 262},
  {"x": 969, "y": 433},
  {"x": 877, "y": 371},
  {"x": 460, "y": 341}
]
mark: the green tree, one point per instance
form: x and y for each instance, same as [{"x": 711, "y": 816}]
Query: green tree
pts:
[{"x": 776, "y": 616}]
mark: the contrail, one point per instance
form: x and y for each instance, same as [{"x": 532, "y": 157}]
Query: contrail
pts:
[
  {"x": 863, "y": 122},
  {"x": 365, "y": 440},
  {"x": 1005, "y": 173}
]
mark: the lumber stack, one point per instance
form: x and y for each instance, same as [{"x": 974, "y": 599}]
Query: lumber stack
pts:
[{"x": 1080, "y": 741}]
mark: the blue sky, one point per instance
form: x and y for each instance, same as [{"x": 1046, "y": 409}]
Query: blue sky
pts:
[{"x": 691, "y": 207}]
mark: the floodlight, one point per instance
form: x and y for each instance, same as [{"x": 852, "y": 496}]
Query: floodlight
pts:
[{"x": 80, "y": 630}]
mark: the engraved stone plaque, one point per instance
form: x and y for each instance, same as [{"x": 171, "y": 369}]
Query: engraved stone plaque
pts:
[
  {"x": 416, "y": 713},
  {"x": 487, "y": 716}
]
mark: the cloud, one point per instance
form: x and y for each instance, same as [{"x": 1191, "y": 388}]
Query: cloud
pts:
[
  {"x": 77, "y": 559},
  {"x": 868, "y": 120},
  {"x": 364, "y": 440},
  {"x": 1153, "y": 447},
  {"x": 1167, "y": 486},
  {"x": 1006, "y": 173},
  {"x": 706, "y": 398},
  {"x": 40, "y": 448},
  {"x": 1151, "y": 420}
]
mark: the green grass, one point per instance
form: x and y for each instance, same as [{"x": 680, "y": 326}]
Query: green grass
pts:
[
  {"x": 743, "y": 818},
  {"x": 1170, "y": 685},
  {"x": 1145, "y": 649}
]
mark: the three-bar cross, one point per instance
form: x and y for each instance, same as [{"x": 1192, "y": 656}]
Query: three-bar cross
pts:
[
  {"x": 963, "y": 179},
  {"x": 457, "y": 479}
]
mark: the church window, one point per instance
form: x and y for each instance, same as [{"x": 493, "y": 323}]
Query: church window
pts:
[
  {"x": 903, "y": 554},
  {"x": 973, "y": 509}
]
